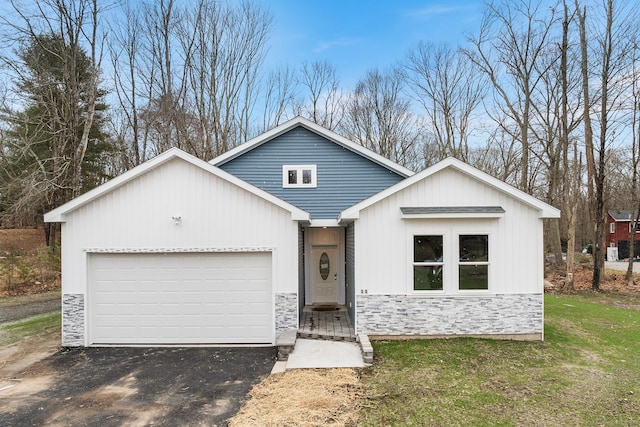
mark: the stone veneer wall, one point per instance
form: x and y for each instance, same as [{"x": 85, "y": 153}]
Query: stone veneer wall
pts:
[
  {"x": 73, "y": 320},
  {"x": 449, "y": 315},
  {"x": 286, "y": 312}
]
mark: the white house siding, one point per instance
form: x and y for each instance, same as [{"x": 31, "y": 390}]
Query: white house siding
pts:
[
  {"x": 513, "y": 304},
  {"x": 216, "y": 216}
]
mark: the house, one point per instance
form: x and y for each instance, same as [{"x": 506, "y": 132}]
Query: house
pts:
[
  {"x": 619, "y": 228},
  {"x": 181, "y": 251}
]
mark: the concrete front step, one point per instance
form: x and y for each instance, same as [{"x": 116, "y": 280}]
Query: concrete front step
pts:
[
  {"x": 287, "y": 340},
  {"x": 286, "y": 343},
  {"x": 330, "y": 337}
]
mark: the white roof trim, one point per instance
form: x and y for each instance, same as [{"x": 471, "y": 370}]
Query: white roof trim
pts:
[
  {"x": 326, "y": 133},
  {"x": 545, "y": 210},
  {"x": 325, "y": 223},
  {"x": 58, "y": 214}
]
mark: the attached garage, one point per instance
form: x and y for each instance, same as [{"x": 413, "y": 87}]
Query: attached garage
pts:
[{"x": 180, "y": 298}]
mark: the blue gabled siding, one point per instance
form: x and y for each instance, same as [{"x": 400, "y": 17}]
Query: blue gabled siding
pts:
[{"x": 344, "y": 177}]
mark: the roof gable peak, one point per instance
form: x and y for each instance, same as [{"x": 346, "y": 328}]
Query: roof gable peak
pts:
[
  {"x": 313, "y": 127},
  {"x": 58, "y": 214},
  {"x": 546, "y": 210}
]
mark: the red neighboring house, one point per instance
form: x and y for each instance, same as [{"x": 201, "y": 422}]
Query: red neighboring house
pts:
[{"x": 618, "y": 228}]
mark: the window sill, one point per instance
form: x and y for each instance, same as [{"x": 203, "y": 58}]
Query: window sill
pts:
[{"x": 440, "y": 294}]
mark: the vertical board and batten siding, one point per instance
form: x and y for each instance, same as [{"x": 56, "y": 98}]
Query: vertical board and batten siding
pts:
[
  {"x": 515, "y": 239},
  {"x": 216, "y": 216},
  {"x": 343, "y": 177}
]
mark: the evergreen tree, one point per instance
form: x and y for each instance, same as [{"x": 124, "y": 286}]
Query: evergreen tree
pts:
[{"x": 55, "y": 82}]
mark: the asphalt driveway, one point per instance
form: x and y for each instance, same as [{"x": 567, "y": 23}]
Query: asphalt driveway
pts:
[{"x": 104, "y": 387}]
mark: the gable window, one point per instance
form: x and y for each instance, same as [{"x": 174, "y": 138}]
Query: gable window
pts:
[
  {"x": 473, "y": 262},
  {"x": 428, "y": 263},
  {"x": 299, "y": 176}
]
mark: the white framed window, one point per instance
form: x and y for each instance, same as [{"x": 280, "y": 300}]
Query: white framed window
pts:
[
  {"x": 450, "y": 262},
  {"x": 428, "y": 263},
  {"x": 299, "y": 176},
  {"x": 473, "y": 262},
  {"x": 612, "y": 228}
]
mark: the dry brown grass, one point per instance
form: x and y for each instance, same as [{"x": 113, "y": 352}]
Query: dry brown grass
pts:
[
  {"x": 303, "y": 397},
  {"x": 26, "y": 266}
]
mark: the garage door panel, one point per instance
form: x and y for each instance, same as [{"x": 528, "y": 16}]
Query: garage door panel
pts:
[{"x": 180, "y": 298}]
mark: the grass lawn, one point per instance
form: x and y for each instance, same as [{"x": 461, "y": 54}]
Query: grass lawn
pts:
[
  {"x": 31, "y": 327},
  {"x": 586, "y": 372}
]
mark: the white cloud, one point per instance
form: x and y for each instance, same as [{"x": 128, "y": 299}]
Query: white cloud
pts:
[
  {"x": 329, "y": 44},
  {"x": 432, "y": 11}
]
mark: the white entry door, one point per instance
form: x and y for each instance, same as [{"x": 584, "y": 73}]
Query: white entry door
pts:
[{"x": 324, "y": 274}]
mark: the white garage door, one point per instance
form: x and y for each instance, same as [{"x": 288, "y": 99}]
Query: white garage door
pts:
[{"x": 180, "y": 298}]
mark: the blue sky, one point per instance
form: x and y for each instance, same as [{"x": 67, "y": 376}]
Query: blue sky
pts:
[{"x": 356, "y": 36}]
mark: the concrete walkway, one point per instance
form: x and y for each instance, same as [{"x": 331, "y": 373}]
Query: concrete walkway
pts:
[{"x": 310, "y": 354}]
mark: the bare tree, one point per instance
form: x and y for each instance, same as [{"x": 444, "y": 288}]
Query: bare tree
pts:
[
  {"x": 187, "y": 74},
  {"x": 499, "y": 157},
  {"x": 610, "y": 47},
  {"x": 228, "y": 50},
  {"x": 323, "y": 101},
  {"x": 449, "y": 90},
  {"x": 635, "y": 162},
  {"x": 281, "y": 89},
  {"x": 555, "y": 116},
  {"x": 513, "y": 36},
  {"x": 379, "y": 118},
  {"x": 572, "y": 214},
  {"x": 125, "y": 46}
]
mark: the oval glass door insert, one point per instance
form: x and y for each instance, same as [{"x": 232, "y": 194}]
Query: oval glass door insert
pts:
[{"x": 324, "y": 266}]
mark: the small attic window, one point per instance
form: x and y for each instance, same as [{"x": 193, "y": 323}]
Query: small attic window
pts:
[{"x": 299, "y": 176}]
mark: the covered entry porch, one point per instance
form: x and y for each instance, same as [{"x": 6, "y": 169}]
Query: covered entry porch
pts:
[
  {"x": 326, "y": 292},
  {"x": 326, "y": 322}
]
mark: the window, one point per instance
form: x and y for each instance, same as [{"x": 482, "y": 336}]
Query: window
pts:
[
  {"x": 612, "y": 228},
  {"x": 427, "y": 263},
  {"x": 473, "y": 262},
  {"x": 440, "y": 263},
  {"x": 299, "y": 176}
]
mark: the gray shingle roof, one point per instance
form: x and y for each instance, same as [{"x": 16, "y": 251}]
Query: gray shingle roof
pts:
[{"x": 620, "y": 214}]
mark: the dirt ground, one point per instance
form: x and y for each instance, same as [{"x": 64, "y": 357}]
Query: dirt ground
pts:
[
  {"x": 21, "y": 239},
  {"x": 611, "y": 281},
  {"x": 24, "y": 266}
]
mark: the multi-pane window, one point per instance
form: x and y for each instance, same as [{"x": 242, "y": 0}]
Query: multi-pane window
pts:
[
  {"x": 435, "y": 266},
  {"x": 428, "y": 263},
  {"x": 294, "y": 176},
  {"x": 473, "y": 262}
]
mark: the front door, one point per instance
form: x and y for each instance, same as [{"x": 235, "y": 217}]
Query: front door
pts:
[{"x": 324, "y": 274}]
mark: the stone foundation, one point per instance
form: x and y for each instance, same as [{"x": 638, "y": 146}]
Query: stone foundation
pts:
[
  {"x": 286, "y": 312},
  {"x": 73, "y": 320},
  {"x": 409, "y": 315}
]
